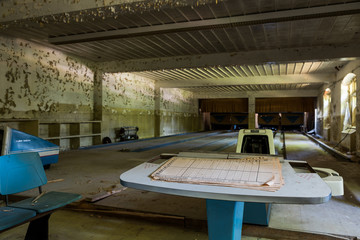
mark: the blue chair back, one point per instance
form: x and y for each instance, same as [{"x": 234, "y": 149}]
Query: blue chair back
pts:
[{"x": 21, "y": 172}]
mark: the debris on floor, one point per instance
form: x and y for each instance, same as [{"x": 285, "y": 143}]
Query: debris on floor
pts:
[{"x": 105, "y": 194}]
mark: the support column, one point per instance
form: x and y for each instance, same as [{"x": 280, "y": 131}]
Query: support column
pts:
[
  {"x": 251, "y": 112},
  {"x": 157, "y": 111},
  {"x": 98, "y": 107},
  {"x": 98, "y": 95},
  {"x": 357, "y": 73},
  {"x": 336, "y": 123}
]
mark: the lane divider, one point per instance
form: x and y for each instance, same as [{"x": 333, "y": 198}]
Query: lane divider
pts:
[
  {"x": 206, "y": 144},
  {"x": 233, "y": 142},
  {"x": 173, "y": 143},
  {"x": 133, "y": 141}
]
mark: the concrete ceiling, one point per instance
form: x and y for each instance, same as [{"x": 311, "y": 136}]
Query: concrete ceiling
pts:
[{"x": 208, "y": 47}]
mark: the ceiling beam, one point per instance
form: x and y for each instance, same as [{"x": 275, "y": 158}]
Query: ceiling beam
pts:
[
  {"x": 227, "y": 22},
  {"x": 279, "y": 79},
  {"x": 314, "y": 53},
  {"x": 259, "y": 94}
]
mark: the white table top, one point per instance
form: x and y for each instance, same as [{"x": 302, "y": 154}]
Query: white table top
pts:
[{"x": 299, "y": 188}]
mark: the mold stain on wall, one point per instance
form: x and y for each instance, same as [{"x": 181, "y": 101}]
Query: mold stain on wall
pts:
[
  {"x": 178, "y": 100},
  {"x": 128, "y": 100},
  {"x": 126, "y": 90},
  {"x": 179, "y": 111},
  {"x": 45, "y": 84},
  {"x": 37, "y": 80}
]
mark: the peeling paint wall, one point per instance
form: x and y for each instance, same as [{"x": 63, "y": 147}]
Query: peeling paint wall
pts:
[
  {"x": 337, "y": 111},
  {"x": 357, "y": 72},
  {"x": 128, "y": 100},
  {"x": 348, "y": 141},
  {"x": 179, "y": 112},
  {"x": 41, "y": 83},
  {"x": 319, "y": 115},
  {"x": 44, "y": 84},
  {"x": 336, "y": 123},
  {"x": 324, "y": 112}
]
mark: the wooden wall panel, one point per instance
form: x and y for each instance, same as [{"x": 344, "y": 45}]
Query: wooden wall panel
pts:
[
  {"x": 281, "y": 105},
  {"x": 224, "y": 105}
]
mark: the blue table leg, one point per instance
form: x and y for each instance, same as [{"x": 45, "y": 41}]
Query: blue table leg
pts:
[
  {"x": 224, "y": 219},
  {"x": 257, "y": 213}
]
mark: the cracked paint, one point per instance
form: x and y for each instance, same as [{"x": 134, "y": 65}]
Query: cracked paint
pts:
[
  {"x": 42, "y": 83},
  {"x": 127, "y": 90},
  {"x": 129, "y": 100},
  {"x": 38, "y": 79},
  {"x": 42, "y": 12}
]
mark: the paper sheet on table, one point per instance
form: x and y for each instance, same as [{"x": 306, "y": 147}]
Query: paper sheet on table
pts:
[{"x": 260, "y": 172}]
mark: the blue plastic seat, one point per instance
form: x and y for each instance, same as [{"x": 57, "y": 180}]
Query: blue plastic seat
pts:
[
  {"x": 22, "y": 172},
  {"x": 10, "y": 217},
  {"x": 49, "y": 201}
]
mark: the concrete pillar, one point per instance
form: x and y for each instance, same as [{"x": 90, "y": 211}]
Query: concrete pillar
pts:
[
  {"x": 157, "y": 113},
  {"x": 251, "y": 112},
  {"x": 98, "y": 95},
  {"x": 336, "y": 123},
  {"x": 357, "y": 73},
  {"x": 319, "y": 115}
]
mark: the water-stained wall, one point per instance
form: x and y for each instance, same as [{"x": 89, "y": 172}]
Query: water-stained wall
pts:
[
  {"x": 336, "y": 133},
  {"x": 319, "y": 117},
  {"x": 41, "y": 83},
  {"x": 357, "y": 72},
  {"x": 179, "y": 112},
  {"x": 128, "y": 100},
  {"x": 44, "y": 84}
]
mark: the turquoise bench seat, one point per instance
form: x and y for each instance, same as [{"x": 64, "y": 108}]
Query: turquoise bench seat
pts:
[
  {"x": 10, "y": 217},
  {"x": 22, "y": 172},
  {"x": 48, "y": 202}
]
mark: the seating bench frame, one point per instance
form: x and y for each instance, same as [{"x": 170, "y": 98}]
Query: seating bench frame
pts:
[
  {"x": 22, "y": 172},
  {"x": 38, "y": 227}
]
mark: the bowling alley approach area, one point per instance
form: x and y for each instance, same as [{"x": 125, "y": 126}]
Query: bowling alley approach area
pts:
[
  {"x": 179, "y": 120},
  {"x": 109, "y": 210}
]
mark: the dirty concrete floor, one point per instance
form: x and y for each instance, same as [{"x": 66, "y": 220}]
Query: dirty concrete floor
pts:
[
  {"x": 340, "y": 214},
  {"x": 66, "y": 225},
  {"x": 97, "y": 170}
]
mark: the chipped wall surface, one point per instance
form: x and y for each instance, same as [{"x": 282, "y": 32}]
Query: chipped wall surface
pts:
[
  {"x": 128, "y": 100},
  {"x": 335, "y": 106},
  {"x": 319, "y": 114},
  {"x": 357, "y": 73},
  {"x": 126, "y": 90},
  {"x": 44, "y": 84},
  {"x": 179, "y": 112},
  {"x": 335, "y": 133},
  {"x": 41, "y": 83},
  {"x": 348, "y": 141},
  {"x": 178, "y": 100}
]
